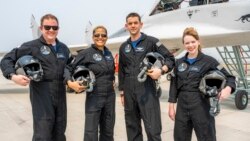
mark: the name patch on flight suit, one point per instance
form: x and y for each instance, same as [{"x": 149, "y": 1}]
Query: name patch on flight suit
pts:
[
  {"x": 139, "y": 49},
  {"x": 97, "y": 57},
  {"x": 194, "y": 69},
  {"x": 109, "y": 58},
  {"x": 127, "y": 48},
  {"x": 60, "y": 56},
  {"x": 182, "y": 67},
  {"x": 45, "y": 50}
]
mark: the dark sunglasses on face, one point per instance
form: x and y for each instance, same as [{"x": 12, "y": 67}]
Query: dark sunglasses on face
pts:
[
  {"x": 102, "y": 35},
  {"x": 48, "y": 27}
]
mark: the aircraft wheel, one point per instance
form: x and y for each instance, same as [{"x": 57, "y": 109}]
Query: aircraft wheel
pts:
[{"x": 241, "y": 99}]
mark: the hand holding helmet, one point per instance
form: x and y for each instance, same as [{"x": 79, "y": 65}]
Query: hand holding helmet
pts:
[
  {"x": 85, "y": 79},
  {"x": 20, "y": 79},
  {"x": 226, "y": 92},
  {"x": 211, "y": 85},
  {"x": 76, "y": 86},
  {"x": 30, "y": 67},
  {"x": 151, "y": 65},
  {"x": 154, "y": 73}
]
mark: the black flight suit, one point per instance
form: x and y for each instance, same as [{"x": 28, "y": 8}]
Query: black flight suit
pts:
[
  {"x": 48, "y": 97},
  {"x": 192, "y": 108},
  {"x": 141, "y": 101},
  {"x": 100, "y": 103}
]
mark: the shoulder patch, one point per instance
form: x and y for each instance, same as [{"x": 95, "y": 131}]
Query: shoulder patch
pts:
[
  {"x": 158, "y": 44},
  {"x": 220, "y": 67}
]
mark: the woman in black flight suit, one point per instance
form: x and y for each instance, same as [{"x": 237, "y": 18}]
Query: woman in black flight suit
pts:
[
  {"x": 100, "y": 103},
  {"x": 193, "y": 109}
]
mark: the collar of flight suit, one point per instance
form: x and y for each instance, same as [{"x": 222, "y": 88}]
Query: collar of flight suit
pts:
[
  {"x": 199, "y": 57},
  {"x": 143, "y": 37},
  {"x": 44, "y": 41}
]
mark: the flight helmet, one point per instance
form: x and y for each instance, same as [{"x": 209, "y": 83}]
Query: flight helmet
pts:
[
  {"x": 213, "y": 79},
  {"x": 29, "y": 66},
  {"x": 151, "y": 60},
  {"x": 82, "y": 73}
]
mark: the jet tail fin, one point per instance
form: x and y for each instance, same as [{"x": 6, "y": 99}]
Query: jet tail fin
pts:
[
  {"x": 88, "y": 34},
  {"x": 36, "y": 33}
]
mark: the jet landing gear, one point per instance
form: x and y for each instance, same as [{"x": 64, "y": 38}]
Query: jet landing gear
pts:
[
  {"x": 237, "y": 60},
  {"x": 241, "y": 99}
]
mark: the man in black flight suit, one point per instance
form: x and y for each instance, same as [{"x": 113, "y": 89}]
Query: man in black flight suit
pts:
[
  {"x": 48, "y": 96},
  {"x": 139, "y": 98}
]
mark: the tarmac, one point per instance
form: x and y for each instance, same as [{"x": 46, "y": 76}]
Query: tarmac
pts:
[{"x": 16, "y": 117}]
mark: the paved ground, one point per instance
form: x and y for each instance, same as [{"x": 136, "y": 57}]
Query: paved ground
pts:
[{"x": 16, "y": 118}]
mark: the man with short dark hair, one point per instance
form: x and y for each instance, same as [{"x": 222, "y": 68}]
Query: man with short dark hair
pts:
[
  {"x": 140, "y": 98},
  {"x": 48, "y": 96}
]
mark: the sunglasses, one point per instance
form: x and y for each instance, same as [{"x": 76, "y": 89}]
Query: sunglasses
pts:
[
  {"x": 48, "y": 27},
  {"x": 102, "y": 35}
]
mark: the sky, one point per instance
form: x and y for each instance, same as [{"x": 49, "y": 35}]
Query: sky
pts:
[{"x": 73, "y": 17}]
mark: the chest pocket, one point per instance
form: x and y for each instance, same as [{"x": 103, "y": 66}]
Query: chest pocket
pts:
[
  {"x": 194, "y": 69},
  {"x": 110, "y": 62},
  {"x": 194, "y": 72},
  {"x": 109, "y": 58},
  {"x": 93, "y": 62},
  {"x": 187, "y": 75},
  {"x": 61, "y": 57},
  {"x": 100, "y": 64}
]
